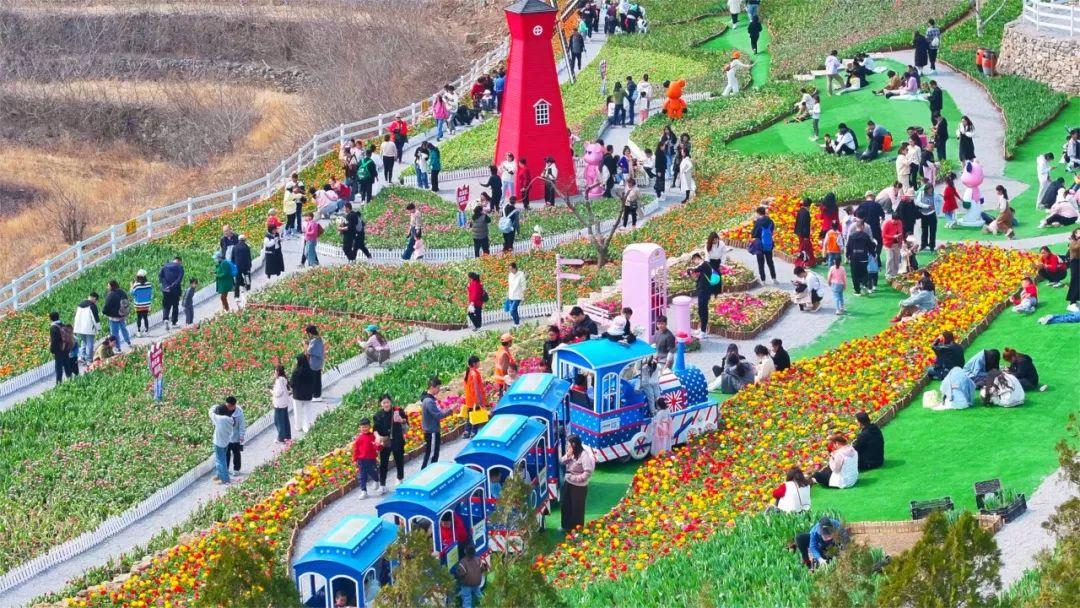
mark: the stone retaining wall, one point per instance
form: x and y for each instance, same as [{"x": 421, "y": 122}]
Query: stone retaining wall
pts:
[{"x": 1053, "y": 59}]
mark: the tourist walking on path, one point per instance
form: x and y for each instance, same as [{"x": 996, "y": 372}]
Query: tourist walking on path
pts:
[
  {"x": 661, "y": 157},
  {"x": 474, "y": 396},
  {"x": 926, "y": 204},
  {"x": 703, "y": 289},
  {"x": 579, "y": 465},
  {"x": 273, "y": 260},
  {"x": 731, "y": 71},
  {"x": 860, "y": 247},
  {"x": 477, "y": 296},
  {"x": 302, "y": 382},
  {"x": 803, "y": 229},
  {"x": 348, "y": 231},
  {"x": 416, "y": 226},
  {"x": 509, "y": 225},
  {"x": 56, "y": 346},
  {"x": 434, "y": 165},
  {"x": 832, "y": 71},
  {"x": 86, "y": 325},
  {"x": 965, "y": 133},
  {"x": 550, "y": 175},
  {"x": 515, "y": 292},
  {"x": 940, "y": 134},
  {"x": 837, "y": 279},
  {"x": 279, "y": 393},
  {"x": 431, "y": 421},
  {"x": 236, "y": 439},
  {"x": 495, "y": 183},
  {"x": 892, "y": 235},
  {"x": 922, "y": 50},
  {"x": 399, "y": 130},
  {"x": 366, "y": 173},
  {"x": 170, "y": 278},
  {"x": 686, "y": 175},
  {"x": 735, "y": 7},
  {"x": 142, "y": 295},
  {"x": 365, "y": 455},
  {"x": 933, "y": 43},
  {"x": 312, "y": 231},
  {"x": 223, "y": 279},
  {"x": 389, "y": 154},
  {"x": 223, "y": 431},
  {"x": 390, "y": 423},
  {"x": 116, "y": 309},
  {"x": 577, "y": 48},
  {"x": 754, "y": 31},
  {"x": 481, "y": 226},
  {"x": 315, "y": 350},
  {"x": 762, "y": 243},
  {"x": 242, "y": 259}
]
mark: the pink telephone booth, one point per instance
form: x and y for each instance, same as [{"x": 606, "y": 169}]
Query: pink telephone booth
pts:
[{"x": 645, "y": 285}]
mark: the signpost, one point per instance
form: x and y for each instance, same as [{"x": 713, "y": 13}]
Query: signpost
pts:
[
  {"x": 156, "y": 360},
  {"x": 462, "y": 204},
  {"x": 560, "y": 275}
]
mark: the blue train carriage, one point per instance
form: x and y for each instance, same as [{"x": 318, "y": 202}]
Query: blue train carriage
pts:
[
  {"x": 612, "y": 415},
  {"x": 348, "y": 561},
  {"x": 542, "y": 397},
  {"x": 510, "y": 445},
  {"x": 448, "y": 500}
]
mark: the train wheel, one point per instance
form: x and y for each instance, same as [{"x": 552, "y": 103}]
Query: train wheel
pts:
[{"x": 640, "y": 445}]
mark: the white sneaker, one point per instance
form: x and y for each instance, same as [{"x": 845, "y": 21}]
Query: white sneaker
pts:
[
  {"x": 1074, "y": 307},
  {"x": 382, "y": 490},
  {"x": 1044, "y": 320},
  {"x": 318, "y": 399},
  {"x": 363, "y": 494}
]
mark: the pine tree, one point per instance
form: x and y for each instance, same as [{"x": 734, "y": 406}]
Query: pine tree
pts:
[
  {"x": 952, "y": 566},
  {"x": 419, "y": 578},
  {"x": 849, "y": 581},
  {"x": 248, "y": 576}
]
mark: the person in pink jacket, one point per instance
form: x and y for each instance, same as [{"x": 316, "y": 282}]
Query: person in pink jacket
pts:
[
  {"x": 579, "y": 464},
  {"x": 312, "y": 231}
]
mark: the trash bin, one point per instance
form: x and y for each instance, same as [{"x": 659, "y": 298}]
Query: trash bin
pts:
[
  {"x": 979, "y": 56},
  {"x": 989, "y": 62}
]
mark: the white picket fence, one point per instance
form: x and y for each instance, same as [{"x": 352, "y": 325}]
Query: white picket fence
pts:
[
  {"x": 1058, "y": 17},
  {"x": 115, "y": 524},
  {"x": 27, "y": 288}
]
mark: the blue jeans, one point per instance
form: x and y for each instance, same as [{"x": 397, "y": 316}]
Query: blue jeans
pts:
[
  {"x": 511, "y": 307},
  {"x": 421, "y": 177},
  {"x": 221, "y": 460},
  {"x": 1069, "y": 317},
  {"x": 86, "y": 346},
  {"x": 461, "y": 219},
  {"x": 470, "y": 596},
  {"x": 118, "y": 329},
  {"x": 838, "y": 295},
  {"x": 630, "y": 111},
  {"x": 312, "y": 255},
  {"x": 829, "y": 257},
  {"x": 1027, "y": 304},
  {"x": 366, "y": 469},
  {"x": 440, "y": 125},
  {"x": 508, "y": 186}
]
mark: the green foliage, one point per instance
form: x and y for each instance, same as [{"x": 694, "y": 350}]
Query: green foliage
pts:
[
  {"x": 953, "y": 565},
  {"x": 849, "y": 581},
  {"x": 248, "y": 576},
  {"x": 419, "y": 579}
]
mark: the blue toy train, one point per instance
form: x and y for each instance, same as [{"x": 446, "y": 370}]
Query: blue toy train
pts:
[{"x": 526, "y": 436}]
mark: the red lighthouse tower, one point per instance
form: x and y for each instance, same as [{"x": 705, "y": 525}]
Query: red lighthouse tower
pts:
[{"x": 533, "y": 124}]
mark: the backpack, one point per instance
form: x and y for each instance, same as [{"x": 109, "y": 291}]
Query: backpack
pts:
[
  {"x": 767, "y": 237},
  {"x": 506, "y": 224},
  {"x": 232, "y": 268},
  {"x": 123, "y": 308}
]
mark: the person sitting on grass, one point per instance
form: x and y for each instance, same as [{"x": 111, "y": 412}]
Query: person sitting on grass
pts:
[
  {"x": 1062, "y": 213},
  {"x": 1051, "y": 267},
  {"x": 794, "y": 495},
  {"x": 1004, "y": 222},
  {"x": 921, "y": 300},
  {"x": 892, "y": 84},
  {"x": 818, "y": 545},
  {"x": 1021, "y": 366},
  {"x": 869, "y": 443},
  {"x": 981, "y": 364},
  {"x": 948, "y": 355},
  {"x": 843, "y": 468},
  {"x": 735, "y": 375},
  {"x": 957, "y": 391},
  {"x": 1067, "y": 317},
  {"x": 1002, "y": 389},
  {"x": 1027, "y": 299}
]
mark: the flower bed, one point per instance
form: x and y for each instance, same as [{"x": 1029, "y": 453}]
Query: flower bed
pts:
[
  {"x": 272, "y": 501},
  {"x": 744, "y": 316},
  {"x": 782, "y": 210},
  {"x": 694, "y": 492},
  {"x": 81, "y": 451},
  {"x": 735, "y": 277}
]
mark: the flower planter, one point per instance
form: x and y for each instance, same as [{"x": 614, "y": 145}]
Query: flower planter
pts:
[
  {"x": 717, "y": 330},
  {"x": 1010, "y": 511}
]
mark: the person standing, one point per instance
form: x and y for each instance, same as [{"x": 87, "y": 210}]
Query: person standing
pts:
[
  {"x": 390, "y": 424},
  {"x": 189, "y": 301},
  {"x": 754, "y": 31},
  {"x": 170, "y": 278},
  {"x": 508, "y": 168},
  {"x": 348, "y": 232},
  {"x": 762, "y": 243},
  {"x": 661, "y": 157},
  {"x": 550, "y": 175},
  {"x": 860, "y": 246},
  {"x": 242, "y": 259},
  {"x": 474, "y": 396},
  {"x": 389, "y": 154},
  {"x": 933, "y": 43},
  {"x": 431, "y": 419},
  {"x": 236, "y": 438},
  {"x": 470, "y": 576},
  {"x": 1042, "y": 171},
  {"x": 515, "y": 292},
  {"x": 922, "y": 48},
  {"x": 279, "y": 393},
  {"x": 644, "y": 91},
  {"x": 752, "y": 7},
  {"x": 303, "y": 392},
  {"x": 832, "y": 71},
  {"x": 892, "y": 235},
  {"x": 508, "y": 225},
  {"x": 965, "y": 133},
  {"x": 1073, "y": 294},
  {"x": 274, "y": 261},
  {"x": 631, "y": 98},
  {"x": 577, "y": 49},
  {"x": 315, "y": 349},
  {"x": 935, "y": 97},
  {"x": 481, "y": 227},
  {"x": 477, "y": 296},
  {"x": 579, "y": 464},
  {"x": 312, "y": 231},
  {"x": 734, "y": 8},
  {"x": 416, "y": 226},
  {"x": 496, "y": 184},
  {"x": 618, "y": 97},
  {"x": 399, "y": 130},
  {"x": 56, "y": 346},
  {"x": 116, "y": 309},
  {"x": 803, "y": 230},
  {"x": 686, "y": 176},
  {"x": 837, "y": 279},
  {"x": 925, "y": 202},
  {"x": 703, "y": 289},
  {"x": 366, "y": 173},
  {"x": 228, "y": 240},
  {"x": 223, "y": 279},
  {"x": 940, "y": 134},
  {"x": 223, "y": 430},
  {"x": 732, "y": 73},
  {"x": 434, "y": 166},
  {"x": 142, "y": 294}
]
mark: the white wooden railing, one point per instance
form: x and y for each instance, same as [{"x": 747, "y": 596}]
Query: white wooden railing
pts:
[
  {"x": 154, "y": 223},
  {"x": 1055, "y": 16}
]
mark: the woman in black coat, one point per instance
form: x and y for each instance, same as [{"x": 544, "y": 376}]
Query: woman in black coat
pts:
[
  {"x": 274, "y": 261},
  {"x": 303, "y": 381},
  {"x": 754, "y": 29},
  {"x": 922, "y": 48}
]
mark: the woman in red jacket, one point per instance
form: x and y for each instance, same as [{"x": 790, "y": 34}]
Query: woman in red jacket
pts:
[
  {"x": 476, "y": 296},
  {"x": 950, "y": 201},
  {"x": 1051, "y": 267}
]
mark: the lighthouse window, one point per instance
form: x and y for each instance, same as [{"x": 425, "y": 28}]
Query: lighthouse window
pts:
[{"x": 543, "y": 112}]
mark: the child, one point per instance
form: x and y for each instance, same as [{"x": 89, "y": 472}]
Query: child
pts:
[
  {"x": 189, "y": 301},
  {"x": 837, "y": 281},
  {"x": 832, "y": 244},
  {"x": 142, "y": 294},
  {"x": 418, "y": 246},
  {"x": 1028, "y": 298},
  {"x": 510, "y": 377},
  {"x": 872, "y": 268},
  {"x": 611, "y": 111},
  {"x": 537, "y": 237},
  {"x": 908, "y": 261},
  {"x": 650, "y": 383},
  {"x": 649, "y": 165},
  {"x": 661, "y": 428},
  {"x": 364, "y": 453}
]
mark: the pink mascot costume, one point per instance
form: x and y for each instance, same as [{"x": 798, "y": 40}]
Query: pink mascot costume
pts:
[
  {"x": 594, "y": 158},
  {"x": 972, "y": 177}
]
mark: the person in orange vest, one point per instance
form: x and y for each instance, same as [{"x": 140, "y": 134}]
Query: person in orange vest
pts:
[
  {"x": 475, "y": 408},
  {"x": 503, "y": 360},
  {"x": 399, "y": 130}
]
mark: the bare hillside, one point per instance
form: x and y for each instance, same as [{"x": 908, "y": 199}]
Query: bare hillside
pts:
[{"x": 129, "y": 105}]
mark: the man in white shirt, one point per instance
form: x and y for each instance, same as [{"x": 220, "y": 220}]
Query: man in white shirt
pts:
[
  {"x": 889, "y": 197},
  {"x": 644, "y": 91},
  {"x": 809, "y": 298},
  {"x": 832, "y": 71}
]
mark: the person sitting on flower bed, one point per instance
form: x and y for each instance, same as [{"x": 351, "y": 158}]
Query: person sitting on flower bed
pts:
[
  {"x": 922, "y": 299},
  {"x": 794, "y": 495},
  {"x": 843, "y": 468},
  {"x": 948, "y": 355},
  {"x": 808, "y": 288},
  {"x": 869, "y": 443},
  {"x": 1027, "y": 299},
  {"x": 376, "y": 348},
  {"x": 735, "y": 375},
  {"x": 819, "y": 544},
  {"x": 780, "y": 357}
]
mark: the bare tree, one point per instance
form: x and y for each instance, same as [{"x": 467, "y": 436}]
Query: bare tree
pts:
[
  {"x": 589, "y": 217},
  {"x": 64, "y": 213}
]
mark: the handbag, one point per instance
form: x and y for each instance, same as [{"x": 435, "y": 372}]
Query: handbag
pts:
[
  {"x": 754, "y": 248},
  {"x": 478, "y": 415}
]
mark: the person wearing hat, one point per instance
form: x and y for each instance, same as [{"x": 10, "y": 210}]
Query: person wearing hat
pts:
[
  {"x": 550, "y": 175},
  {"x": 503, "y": 360},
  {"x": 223, "y": 279},
  {"x": 142, "y": 294},
  {"x": 815, "y": 545},
  {"x": 399, "y": 130},
  {"x": 376, "y": 348},
  {"x": 732, "y": 75},
  {"x": 242, "y": 259}
]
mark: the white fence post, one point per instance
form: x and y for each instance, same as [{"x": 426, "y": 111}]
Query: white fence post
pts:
[
  {"x": 380, "y": 125},
  {"x": 14, "y": 295},
  {"x": 112, "y": 237},
  {"x": 150, "y": 224},
  {"x": 190, "y": 211},
  {"x": 48, "y": 275},
  {"x": 315, "y": 148},
  {"x": 235, "y": 198},
  {"x": 341, "y": 134},
  {"x": 78, "y": 255}
]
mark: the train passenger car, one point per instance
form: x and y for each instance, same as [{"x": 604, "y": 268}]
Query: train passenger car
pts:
[
  {"x": 348, "y": 562},
  {"x": 542, "y": 398}
]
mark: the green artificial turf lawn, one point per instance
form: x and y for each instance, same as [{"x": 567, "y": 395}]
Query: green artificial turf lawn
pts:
[
  {"x": 931, "y": 454},
  {"x": 739, "y": 39},
  {"x": 854, "y": 108},
  {"x": 606, "y": 486}
]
